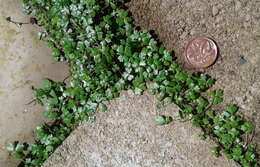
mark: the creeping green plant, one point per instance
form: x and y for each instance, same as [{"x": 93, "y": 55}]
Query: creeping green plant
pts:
[{"x": 106, "y": 55}]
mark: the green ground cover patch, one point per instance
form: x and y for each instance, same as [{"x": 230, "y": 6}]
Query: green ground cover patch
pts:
[{"x": 107, "y": 54}]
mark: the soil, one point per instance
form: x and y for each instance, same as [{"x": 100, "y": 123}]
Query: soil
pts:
[
  {"x": 24, "y": 61},
  {"x": 127, "y": 136}
]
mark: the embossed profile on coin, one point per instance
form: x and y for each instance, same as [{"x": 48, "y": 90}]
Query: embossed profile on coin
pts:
[{"x": 201, "y": 52}]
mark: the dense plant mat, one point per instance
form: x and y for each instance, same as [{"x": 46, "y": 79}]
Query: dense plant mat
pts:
[{"x": 107, "y": 54}]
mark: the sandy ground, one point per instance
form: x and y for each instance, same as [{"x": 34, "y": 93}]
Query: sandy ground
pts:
[
  {"x": 127, "y": 136},
  {"x": 24, "y": 60}
]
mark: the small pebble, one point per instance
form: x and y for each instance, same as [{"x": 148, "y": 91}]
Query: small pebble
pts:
[
  {"x": 242, "y": 60},
  {"x": 247, "y": 24},
  {"x": 238, "y": 5},
  {"x": 193, "y": 31},
  {"x": 247, "y": 18},
  {"x": 204, "y": 28},
  {"x": 218, "y": 19},
  {"x": 184, "y": 35},
  {"x": 215, "y": 11}
]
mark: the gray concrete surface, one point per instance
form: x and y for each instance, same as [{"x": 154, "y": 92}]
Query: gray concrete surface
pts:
[
  {"x": 24, "y": 60},
  {"x": 127, "y": 136}
]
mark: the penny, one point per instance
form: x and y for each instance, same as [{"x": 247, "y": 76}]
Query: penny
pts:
[{"x": 201, "y": 52}]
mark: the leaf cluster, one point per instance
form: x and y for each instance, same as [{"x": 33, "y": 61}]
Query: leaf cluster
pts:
[{"x": 107, "y": 54}]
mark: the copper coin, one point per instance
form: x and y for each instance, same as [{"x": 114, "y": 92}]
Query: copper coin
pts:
[{"x": 201, "y": 52}]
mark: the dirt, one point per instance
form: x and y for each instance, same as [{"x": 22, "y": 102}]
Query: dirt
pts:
[
  {"x": 127, "y": 136},
  {"x": 24, "y": 61}
]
